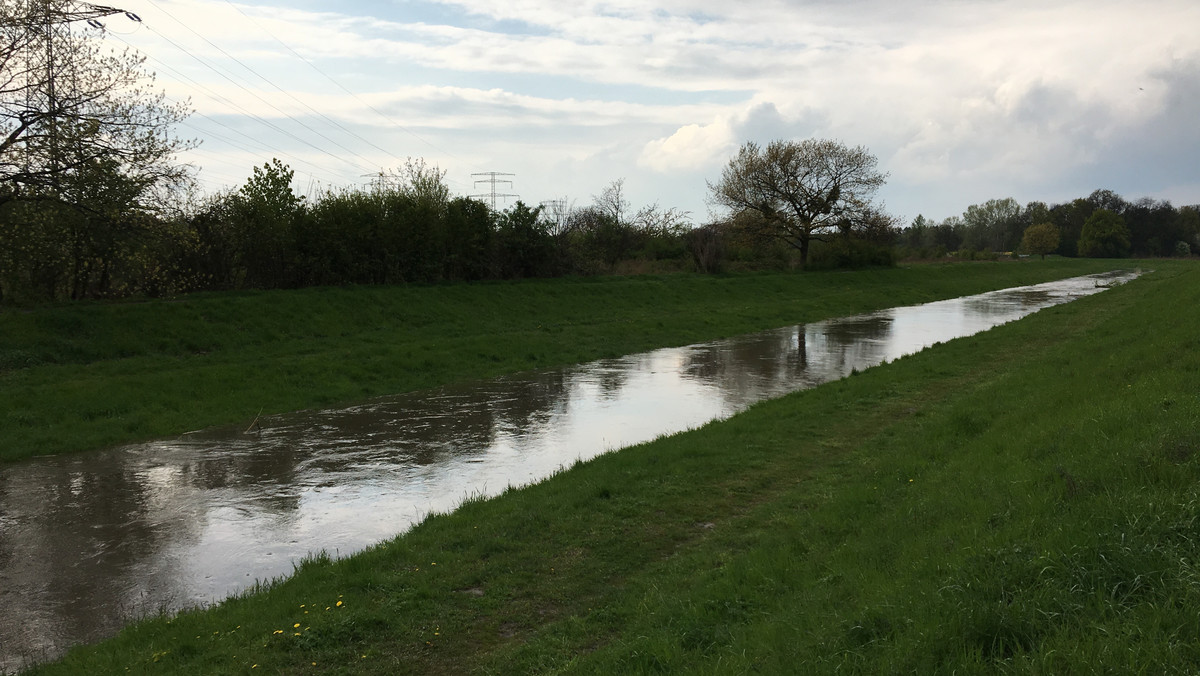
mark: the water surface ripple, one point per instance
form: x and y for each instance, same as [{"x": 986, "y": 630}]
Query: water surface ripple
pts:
[{"x": 90, "y": 541}]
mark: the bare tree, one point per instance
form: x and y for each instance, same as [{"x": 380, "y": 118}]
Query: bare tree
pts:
[
  {"x": 67, "y": 102},
  {"x": 611, "y": 202},
  {"x": 800, "y": 191}
]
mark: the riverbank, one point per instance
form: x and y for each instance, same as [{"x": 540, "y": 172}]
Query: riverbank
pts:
[
  {"x": 1024, "y": 499},
  {"x": 89, "y": 375}
]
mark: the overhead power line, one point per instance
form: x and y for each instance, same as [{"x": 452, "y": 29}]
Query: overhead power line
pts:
[
  {"x": 342, "y": 87},
  {"x": 281, "y": 90},
  {"x": 258, "y": 145}
]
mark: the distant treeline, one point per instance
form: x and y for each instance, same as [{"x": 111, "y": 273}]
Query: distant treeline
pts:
[
  {"x": 107, "y": 242},
  {"x": 405, "y": 228},
  {"x": 1145, "y": 228}
]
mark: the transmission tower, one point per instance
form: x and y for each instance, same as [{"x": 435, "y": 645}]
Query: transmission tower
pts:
[
  {"x": 54, "y": 21},
  {"x": 493, "y": 179},
  {"x": 384, "y": 179}
]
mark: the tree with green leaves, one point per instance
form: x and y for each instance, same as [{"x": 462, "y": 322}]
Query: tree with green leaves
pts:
[
  {"x": 800, "y": 191},
  {"x": 1104, "y": 236},
  {"x": 264, "y": 211},
  {"x": 66, "y": 102},
  {"x": 994, "y": 225},
  {"x": 1040, "y": 239}
]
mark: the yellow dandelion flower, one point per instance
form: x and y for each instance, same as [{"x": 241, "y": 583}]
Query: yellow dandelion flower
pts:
[
  {"x": 339, "y": 603},
  {"x": 296, "y": 626}
]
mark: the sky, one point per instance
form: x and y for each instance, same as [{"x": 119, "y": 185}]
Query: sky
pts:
[{"x": 961, "y": 101}]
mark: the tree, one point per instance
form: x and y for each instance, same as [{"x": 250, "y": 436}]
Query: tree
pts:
[
  {"x": 992, "y": 226},
  {"x": 1070, "y": 218},
  {"x": 524, "y": 245},
  {"x": 265, "y": 211},
  {"x": 800, "y": 191},
  {"x": 1040, "y": 238},
  {"x": 67, "y": 103},
  {"x": 1104, "y": 236},
  {"x": 607, "y": 232}
]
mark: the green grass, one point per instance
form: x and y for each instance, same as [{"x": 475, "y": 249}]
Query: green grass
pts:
[
  {"x": 1025, "y": 500},
  {"x": 88, "y": 375}
]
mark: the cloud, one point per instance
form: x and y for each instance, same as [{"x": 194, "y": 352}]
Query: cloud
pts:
[
  {"x": 696, "y": 146},
  {"x": 691, "y": 146}
]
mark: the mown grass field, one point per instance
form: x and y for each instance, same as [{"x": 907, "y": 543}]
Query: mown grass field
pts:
[
  {"x": 83, "y": 376},
  {"x": 1025, "y": 500}
]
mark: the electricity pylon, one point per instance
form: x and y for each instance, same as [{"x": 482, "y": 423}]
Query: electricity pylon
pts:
[{"x": 493, "y": 180}]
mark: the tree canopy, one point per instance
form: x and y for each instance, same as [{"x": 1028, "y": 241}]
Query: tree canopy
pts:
[
  {"x": 1040, "y": 239},
  {"x": 800, "y": 191},
  {"x": 67, "y": 102},
  {"x": 1104, "y": 236}
]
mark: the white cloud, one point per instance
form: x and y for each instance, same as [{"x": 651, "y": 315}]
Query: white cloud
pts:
[{"x": 689, "y": 147}]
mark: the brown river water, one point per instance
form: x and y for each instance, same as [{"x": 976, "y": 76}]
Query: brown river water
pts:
[{"x": 91, "y": 541}]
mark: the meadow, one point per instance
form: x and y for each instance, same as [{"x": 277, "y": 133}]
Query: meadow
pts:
[{"x": 1024, "y": 500}]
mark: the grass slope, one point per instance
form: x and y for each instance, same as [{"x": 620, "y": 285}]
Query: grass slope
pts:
[
  {"x": 82, "y": 376},
  {"x": 1023, "y": 500}
]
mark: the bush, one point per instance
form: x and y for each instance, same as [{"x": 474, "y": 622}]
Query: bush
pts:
[
  {"x": 852, "y": 253},
  {"x": 707, "y": 246}
]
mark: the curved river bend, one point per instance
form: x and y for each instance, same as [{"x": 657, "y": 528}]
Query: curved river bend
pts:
[{"x": 90, "y": 541}]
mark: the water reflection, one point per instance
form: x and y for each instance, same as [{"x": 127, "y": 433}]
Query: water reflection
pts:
[{"x": 88, "y": 542}]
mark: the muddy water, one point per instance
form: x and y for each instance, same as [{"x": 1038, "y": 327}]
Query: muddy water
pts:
[{"x": 90, "y": 541}]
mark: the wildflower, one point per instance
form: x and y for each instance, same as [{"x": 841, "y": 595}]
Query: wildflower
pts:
[
  {"x": 278, "y": 631},
  {"x": 296, "y": 626},
  {"x": 339, "y": 603}
]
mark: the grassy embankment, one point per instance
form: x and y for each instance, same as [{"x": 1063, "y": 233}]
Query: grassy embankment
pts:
[
  {"x": 82, "y": 376},
  {"x": 1025, "y": 500}
]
